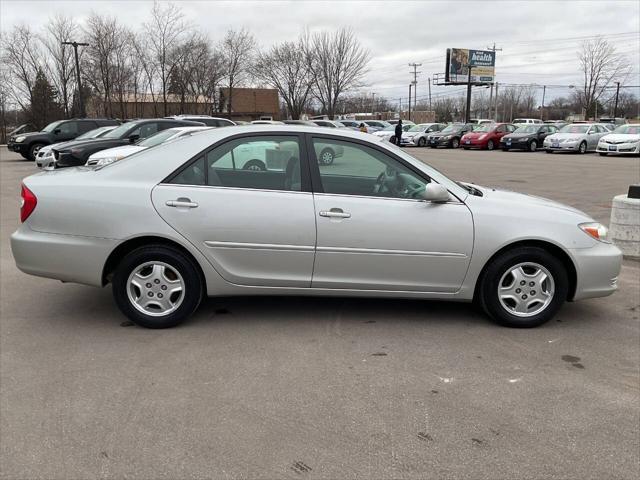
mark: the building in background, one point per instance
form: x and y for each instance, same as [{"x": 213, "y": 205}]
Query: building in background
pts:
[{"x": 251, "y": 103}]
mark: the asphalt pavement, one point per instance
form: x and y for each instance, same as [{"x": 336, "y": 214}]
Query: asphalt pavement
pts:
[{"x": 325, "y": 388}]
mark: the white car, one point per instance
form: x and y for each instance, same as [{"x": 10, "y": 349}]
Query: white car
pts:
[
  {"x": 389, "y": 133},
  {"x": 110, "y": 155},
  {"x": 44, "y": 157},
  {"x": 375, "y": 125},
  {"x": 417, "y": 135},
  {"x": 525, "y": 121},
  {"x": 623, "y": 140}
]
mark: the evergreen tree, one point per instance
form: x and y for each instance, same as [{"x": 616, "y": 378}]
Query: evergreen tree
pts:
[{"x": 44, "y": 107}]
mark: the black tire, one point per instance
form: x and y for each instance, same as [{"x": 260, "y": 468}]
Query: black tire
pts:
[
  {"x": 33, "y": 150},
  {"x": 548, "y": 151},
  {"x": 489, "y": 282},
  {"x": 582, "y": 148},
  {"x": 533, "y": 145},
  {"x": 490, "y": 145},
  {"x": 505, "y": 149},
  {"x": 602, "y": 154},
  {"x": 327, "y": 156},
  {"x": 433, "y": 146},
  {"x": 193, "y": 285},
  {"x": 255, "y": 166},
  {"x": 467, "y": 148},
  {"x": 455, "y": 143},
  {"x": 422, "y": 142}
]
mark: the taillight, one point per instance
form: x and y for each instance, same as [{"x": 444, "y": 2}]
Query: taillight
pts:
[{"x": 28, "y": 203}]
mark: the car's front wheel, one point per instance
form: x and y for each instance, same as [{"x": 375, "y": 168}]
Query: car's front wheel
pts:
[
  {"x": 582, "y": 148},
  {"x": 157, "y": 286},
  {"x": 490, "y": 145},
  {"x": 326, "y": 156},
  {"x": 523, "y": 287},
  {"x": 421, "y": 142},
  {"x": 533, "y": 146},
  {"x": 455, "y": 143},
  {"x": 34, "y": 149}
]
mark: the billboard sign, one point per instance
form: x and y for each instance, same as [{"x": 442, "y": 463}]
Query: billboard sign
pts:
[{"x": 482, "y": 63}]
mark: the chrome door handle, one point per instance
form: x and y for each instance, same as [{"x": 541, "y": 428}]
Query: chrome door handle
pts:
[
  {"x": 334, "y": 213},
  {"x": 181, "y": 203}
]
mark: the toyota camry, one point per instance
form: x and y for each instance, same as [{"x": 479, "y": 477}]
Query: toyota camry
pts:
[{"x": 174, "y": 223}]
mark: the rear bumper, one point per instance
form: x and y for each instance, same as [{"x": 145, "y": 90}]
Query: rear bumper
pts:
[
  {"x": 597, "y": 270},
  {"x": 63, "y": 257}
]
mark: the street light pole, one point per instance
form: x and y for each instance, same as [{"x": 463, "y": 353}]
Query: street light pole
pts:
[
  {"x": 615, "y": 108},
  {"x": 544, "y": 90},
  {"x": 410, "y": 85},
  {"x": 75, "y": 46}
]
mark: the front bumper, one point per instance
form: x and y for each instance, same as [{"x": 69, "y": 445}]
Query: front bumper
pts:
[
  {"x": 597, "y": 270},
  {"x": 20, "y": 148},
  {"x": 473, "y": 143},
  {"x": 515, "y": 143},
  {"x": 438, "y": 142},
  {"x": 620, "y": 148},
  {"x": 562, "y": 146},
  {"x": 68, "y": 258}
]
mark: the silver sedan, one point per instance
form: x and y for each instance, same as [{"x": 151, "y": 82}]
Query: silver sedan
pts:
[
  {"x": 182, "y": 220},
  {"x": 577, "y": 137}
]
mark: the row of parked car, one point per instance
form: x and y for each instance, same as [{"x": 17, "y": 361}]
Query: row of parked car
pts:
[{"x": 98, "y": 142}]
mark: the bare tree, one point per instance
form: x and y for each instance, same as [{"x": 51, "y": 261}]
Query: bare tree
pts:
[
  {"x": 166, "y": 32},
  {"x": 285, "y": 68},
  {"x": 237, "y": 50},
  {"x": 21, "y": 53},
  {"x": 61, "y": 63},
  {"x": 337, "y": 62},
  {"x": 600, "y": 65}
]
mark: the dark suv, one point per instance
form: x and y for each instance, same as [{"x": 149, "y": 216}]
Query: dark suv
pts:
[
  {"x": 76, "y": 153},
  {"x": 28, "y": 144}
]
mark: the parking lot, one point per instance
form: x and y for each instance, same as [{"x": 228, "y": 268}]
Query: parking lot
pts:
[{"x": 326, "y": 388}]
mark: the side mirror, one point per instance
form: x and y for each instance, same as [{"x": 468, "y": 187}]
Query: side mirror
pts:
[
  {"x": 56, "y": 131},
  {"x": 133, "y": 138},
  {"x": 435, "y": 193}
]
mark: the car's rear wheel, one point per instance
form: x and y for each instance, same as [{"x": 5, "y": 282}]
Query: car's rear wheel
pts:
[
  {"x": 255, "y": 166},
  {"x": 34, "y": 149},
  {"x": 582, "y": 148},
  {"x": 523, "y": 287},
  {"x": 326, "y": 156},
  {"x": 421, "y": 142},
  {"x": 157, "y": 286},
  {"x": 490, "y": 145},
  {"x": 533, "y": 146}
]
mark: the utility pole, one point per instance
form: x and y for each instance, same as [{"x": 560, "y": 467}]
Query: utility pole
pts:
[
  {"x": 409, "y": 117},
  {"x": 75, "y": 46},
  {"x": 373, "y": 103},
  {"x": 467, "y": 115},
  {"x": 494, "y": 50},
  {"x": 495, "y": 110},
  {"x": 430, "y": 109},
  {"x": 415, "y": 81},
  {"x": 615, "y": 108},
  {"x": 544, "y": 90}
]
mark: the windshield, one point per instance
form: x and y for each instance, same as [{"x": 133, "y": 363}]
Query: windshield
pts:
[
  {"x": 118, "y": 132},
  {"x": 52, "y": 126},
  {"x": 451, "y": 128},
  {"x": 158, "y": 138},
  {"x": 527, "y": 129},
  {"x": 95, "y": 133},
  {"x": 574, "y": 129},
  {"x": 520, "y": 120},
  {"x": 484, "y": 128},
  {"x": 628, "y": 129},
  {"x": 418, "y": 128}
]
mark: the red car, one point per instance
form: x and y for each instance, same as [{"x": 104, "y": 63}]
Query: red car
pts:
[{"x": 486, "y": 136}]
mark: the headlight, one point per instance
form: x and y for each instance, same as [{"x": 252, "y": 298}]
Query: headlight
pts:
[
  {"x": 595, "y": 230},
  {"x": 20, "y": 139},
  {"x": 446, "y": 137},
  {"x": 105, "y": 161}
]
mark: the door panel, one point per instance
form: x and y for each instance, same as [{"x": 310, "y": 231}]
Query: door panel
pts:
[
  {"x": 392, "y": 244},
  {"x": 251, "y": 237}
]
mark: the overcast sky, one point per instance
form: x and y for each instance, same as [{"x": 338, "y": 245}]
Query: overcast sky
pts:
[{"x": 539, "y": 39}]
